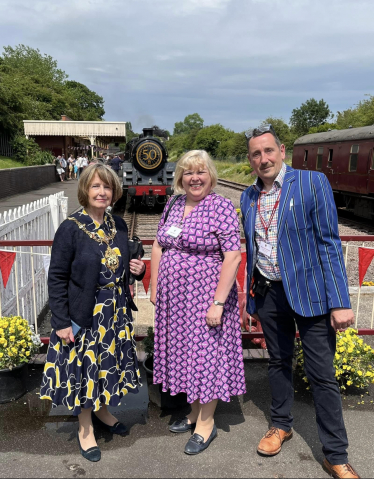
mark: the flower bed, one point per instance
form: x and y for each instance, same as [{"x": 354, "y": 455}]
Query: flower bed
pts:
[
  {"x": 353, "y": 362},
  {"x": 18, "y": 342}
]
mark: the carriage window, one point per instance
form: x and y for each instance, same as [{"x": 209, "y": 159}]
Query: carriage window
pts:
[
  {"x": 329, "y": 160},
  {"x": 305, "y": 157},
  {"x": 353, "y": 158},
  {"x": 372, "y": 161},
  {"x": 319, "y": 158}
]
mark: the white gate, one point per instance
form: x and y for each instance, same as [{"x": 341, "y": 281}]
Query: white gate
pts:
[{"x": 26, "y": 292}]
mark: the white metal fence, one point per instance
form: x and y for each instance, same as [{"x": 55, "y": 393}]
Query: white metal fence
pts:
[{"x": 26, "y": 292}]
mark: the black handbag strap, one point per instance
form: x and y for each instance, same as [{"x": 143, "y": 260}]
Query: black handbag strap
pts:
[{"x": 174, "y": 199}]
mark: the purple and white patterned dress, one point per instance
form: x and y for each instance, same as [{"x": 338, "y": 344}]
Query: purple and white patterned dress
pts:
[{"x": 190, "y": 356}]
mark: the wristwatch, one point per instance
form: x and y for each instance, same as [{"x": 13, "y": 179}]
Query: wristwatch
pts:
[{"x": 218, "y": 303}]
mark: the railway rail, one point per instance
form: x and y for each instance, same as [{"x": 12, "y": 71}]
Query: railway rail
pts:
[{"x": 232, "y": 184}]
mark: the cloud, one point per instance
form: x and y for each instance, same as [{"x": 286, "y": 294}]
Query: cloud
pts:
[{"x": 233, "y": 61}]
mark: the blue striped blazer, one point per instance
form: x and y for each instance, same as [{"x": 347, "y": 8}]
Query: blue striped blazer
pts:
[{"x": 310, "y": 255}]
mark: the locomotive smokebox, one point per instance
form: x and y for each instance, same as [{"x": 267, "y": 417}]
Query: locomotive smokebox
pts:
[{"x": 147, "y": 132}]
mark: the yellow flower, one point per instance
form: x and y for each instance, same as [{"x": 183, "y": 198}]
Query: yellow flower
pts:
[
  {"x": 27, "y": 353},
  {"x": 359, "y": 373},
  {"x": 337, "y": 356},
  {"x": 12, "y": 338},
  {"x": 349, "y": 383},
  {"x": 1, "y": 355},
  {"x": 341, "y": 350}
]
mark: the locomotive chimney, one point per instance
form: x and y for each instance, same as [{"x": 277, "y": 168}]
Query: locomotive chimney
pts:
[{"x": 147, "y": 132}]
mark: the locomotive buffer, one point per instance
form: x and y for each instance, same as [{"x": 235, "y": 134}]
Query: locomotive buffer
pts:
[{"x": 147, "y": 174}]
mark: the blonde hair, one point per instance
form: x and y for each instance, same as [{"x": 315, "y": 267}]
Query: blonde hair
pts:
[
  {"x": 106, "y": 174},
  {"x": 193, "y": 160}
]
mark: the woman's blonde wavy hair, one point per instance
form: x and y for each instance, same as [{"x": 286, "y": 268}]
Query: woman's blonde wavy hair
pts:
[{"x": 194, "y": 160}]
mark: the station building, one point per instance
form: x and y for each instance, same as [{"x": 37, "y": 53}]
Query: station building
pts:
[{"x": 76, "y": 137}]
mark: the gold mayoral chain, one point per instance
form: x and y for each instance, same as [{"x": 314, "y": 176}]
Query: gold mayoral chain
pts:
[{"x": 111, "y": 257}]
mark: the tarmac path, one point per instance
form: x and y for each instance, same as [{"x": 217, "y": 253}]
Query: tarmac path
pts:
[{"x": 37, "y": 442}]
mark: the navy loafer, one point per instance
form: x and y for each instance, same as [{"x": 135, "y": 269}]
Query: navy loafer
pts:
[
  {"x": 118, "y": 428},
  {"x": 92, "y": 454},
  {"x": 182, "y": 425},
  {"x": 196, "y": 443}
]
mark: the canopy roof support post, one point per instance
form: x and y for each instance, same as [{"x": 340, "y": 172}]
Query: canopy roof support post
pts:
[{"x": 93, "y": 140}]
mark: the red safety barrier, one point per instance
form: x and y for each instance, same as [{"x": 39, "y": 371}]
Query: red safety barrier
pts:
[{"x": 254, "y": 333}]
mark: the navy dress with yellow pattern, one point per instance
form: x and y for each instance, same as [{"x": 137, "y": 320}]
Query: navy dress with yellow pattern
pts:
[{"x": 101, "y": 365}]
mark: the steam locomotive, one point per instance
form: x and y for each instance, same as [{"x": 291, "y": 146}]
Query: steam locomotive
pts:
[{"x": 147, "y": 175}]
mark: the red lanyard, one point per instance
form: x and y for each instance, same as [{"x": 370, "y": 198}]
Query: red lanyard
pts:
[{"x": 266, "y": 226}]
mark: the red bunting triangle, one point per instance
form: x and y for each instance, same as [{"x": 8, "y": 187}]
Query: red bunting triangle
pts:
[
  {"x": 147, "y": 276},
  {"x": 6, "y": 263},
  {"x": 365, "y": 257},
  {"x": 241, "y": 271}
]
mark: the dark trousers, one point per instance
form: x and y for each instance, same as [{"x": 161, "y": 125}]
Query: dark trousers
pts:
[{"x": 319, "y": 344}]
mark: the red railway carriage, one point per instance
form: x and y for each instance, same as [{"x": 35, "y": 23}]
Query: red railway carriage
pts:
[{"x": 347, "y": 159}]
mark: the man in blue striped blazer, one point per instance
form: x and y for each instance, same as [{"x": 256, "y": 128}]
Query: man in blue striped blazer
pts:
[{"x": 296, "y": 277}]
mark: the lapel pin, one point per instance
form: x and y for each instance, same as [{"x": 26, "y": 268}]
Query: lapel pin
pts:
[{"x": 252, "y": 204}]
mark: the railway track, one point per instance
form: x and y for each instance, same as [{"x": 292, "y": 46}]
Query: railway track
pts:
[
  {"x": 232, "y": 184},
  {"x": 143, "y": 225},
  {"x": 349, "y": 219}
]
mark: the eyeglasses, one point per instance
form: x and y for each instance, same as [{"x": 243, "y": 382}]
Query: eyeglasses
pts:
[{"x": 260, "y": 130}]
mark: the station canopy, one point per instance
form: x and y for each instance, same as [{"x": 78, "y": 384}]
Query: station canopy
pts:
[{"x": 95, "y": 131}]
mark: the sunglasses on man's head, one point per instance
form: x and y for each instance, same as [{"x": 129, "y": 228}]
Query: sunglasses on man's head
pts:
[{"x": 260, "y": 130}]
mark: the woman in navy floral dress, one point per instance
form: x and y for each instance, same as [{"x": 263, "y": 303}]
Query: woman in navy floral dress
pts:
[
  {"x": 88, "y": 285},
  {"x": 198, "y": 347}
]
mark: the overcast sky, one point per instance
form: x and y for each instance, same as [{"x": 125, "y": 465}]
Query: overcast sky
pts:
[{"x": 234, "y": 62}]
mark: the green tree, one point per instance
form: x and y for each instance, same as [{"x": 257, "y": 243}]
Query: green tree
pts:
[
  {"x": 86, "y": 105},
  {"x": 310, "y": 114},
  {"x": 238, "y": 146},
  {"x": 323, "y": 128},
  {"x": 210, "y": 137},
  {"x": 33, "y": 87},
  {"x": 361, "y": 115},
  {"x": 190, "y": 123}
]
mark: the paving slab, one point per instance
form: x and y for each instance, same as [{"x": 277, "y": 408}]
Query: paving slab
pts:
[
  {"x": 69, "y": 187},
  {"x": 36, "y": 443}
]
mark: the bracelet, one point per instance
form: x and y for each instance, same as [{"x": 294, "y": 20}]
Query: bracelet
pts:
[{"x": 218, "y": 303}]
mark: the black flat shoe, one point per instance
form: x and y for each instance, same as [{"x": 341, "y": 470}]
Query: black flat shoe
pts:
[
  {"x": 92, "y": 454},
  {"x": 181, "y": 425},
  {"x": 196, "y": 443},
  {"x": 118, "y": 428}
]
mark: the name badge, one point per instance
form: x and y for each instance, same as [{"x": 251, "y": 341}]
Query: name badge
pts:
[
  {"x": 174, "y": 231},
  {"x": 265, "y": 249}
]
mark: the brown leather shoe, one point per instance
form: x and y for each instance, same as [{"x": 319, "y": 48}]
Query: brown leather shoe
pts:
[
  {"x": 272, "y": 442},
  {"x": 343, "y": 470}
]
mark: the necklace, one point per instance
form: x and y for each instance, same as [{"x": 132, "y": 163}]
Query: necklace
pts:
[{"x": 111, "y": 257}]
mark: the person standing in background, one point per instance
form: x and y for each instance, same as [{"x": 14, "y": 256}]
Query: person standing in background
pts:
[{"x": 79, "y": 164}]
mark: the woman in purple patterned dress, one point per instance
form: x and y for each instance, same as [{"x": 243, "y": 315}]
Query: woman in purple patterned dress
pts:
[{"x": 195, "y": 258}]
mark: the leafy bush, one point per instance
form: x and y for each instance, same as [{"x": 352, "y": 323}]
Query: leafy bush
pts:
[
  {"x": 149, "y": 342},
  {"x": 27, "y": 151},
  {"x": 353, "y": 362},
  {"x": 40, "y": 158},
  {"x": 18, "y": 342}
]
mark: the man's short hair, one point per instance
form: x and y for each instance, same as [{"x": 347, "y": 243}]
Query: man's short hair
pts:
[{"x": 261, "y": 130}]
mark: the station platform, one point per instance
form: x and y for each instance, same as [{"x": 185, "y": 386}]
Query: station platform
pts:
[{"x": 69, "y": 187}]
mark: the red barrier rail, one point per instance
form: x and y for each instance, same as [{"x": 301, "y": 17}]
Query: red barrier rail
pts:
[{"x": 147, "y": 241}]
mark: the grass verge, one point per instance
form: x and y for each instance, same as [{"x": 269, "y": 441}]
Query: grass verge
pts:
[{"x": 6, "y": 162}]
